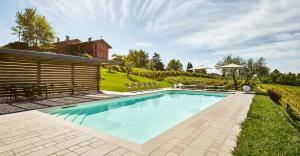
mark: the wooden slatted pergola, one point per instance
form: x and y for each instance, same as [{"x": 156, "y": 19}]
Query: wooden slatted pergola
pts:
[{"x": 22, "y": 66}]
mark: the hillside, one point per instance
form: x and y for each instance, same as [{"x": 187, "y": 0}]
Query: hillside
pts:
[{"x": 114, "y": 81}]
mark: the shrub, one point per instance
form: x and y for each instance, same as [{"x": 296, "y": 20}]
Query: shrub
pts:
[
  {"x": 274, "y": 95},
  {"x": 159, "y": 75},
  {"x": 17, "y": 45}
]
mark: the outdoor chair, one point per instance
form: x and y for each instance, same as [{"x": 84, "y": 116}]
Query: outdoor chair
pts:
[
  {"x": 76, "y": 88},
  {"x": 128, "y": 86},
  {"x": 134, "y": 86},
  {"x": 147, "y": 85},
  {"x": 155, "y": 85},
  {"x": 141, "y": 85},
  {"x": 151, "y": 85},
  {"x": 8, "y": 92}
]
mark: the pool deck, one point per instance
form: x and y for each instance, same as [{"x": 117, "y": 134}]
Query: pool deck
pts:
[{"x": 211, "y": 132}]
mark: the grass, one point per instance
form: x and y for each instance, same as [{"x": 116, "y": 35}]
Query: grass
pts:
[
  {"x": 267, "y": 131},
  {"x": 114, "y": 81}
]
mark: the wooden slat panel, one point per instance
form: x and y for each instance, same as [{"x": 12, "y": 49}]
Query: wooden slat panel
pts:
[
  {"x": 85, "y": 76},
  {"x": 16, "y": 70}
]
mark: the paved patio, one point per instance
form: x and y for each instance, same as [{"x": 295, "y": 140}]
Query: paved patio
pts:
[
  {"x": 210, "y": 132},
  {"x": 6, "y": 108}
]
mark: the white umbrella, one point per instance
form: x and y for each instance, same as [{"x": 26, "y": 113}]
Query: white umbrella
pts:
[
  {"x": 201, "y": 67},
  {"x": 231, "y": 66}
]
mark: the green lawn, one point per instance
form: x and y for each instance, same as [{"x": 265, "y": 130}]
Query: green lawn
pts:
[
  {"x": 267, "y": 131},
  {"x": 114, "y": 81}
]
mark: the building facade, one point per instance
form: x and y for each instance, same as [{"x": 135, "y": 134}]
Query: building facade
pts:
[{"x": 96, "y": 48}]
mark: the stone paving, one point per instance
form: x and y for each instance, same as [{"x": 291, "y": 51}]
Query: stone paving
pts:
[{"x": 213, "y": 132}]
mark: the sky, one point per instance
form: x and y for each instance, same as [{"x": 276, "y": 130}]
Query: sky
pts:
[{"x": 198, "y": 31}]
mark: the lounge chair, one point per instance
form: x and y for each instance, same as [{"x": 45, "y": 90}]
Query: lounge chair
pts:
[
  {"x": 156, "y": 85},
  {"x": 141, "y": 86},
  {"x": 135, "y": 86},
  {"x": 128, "y": 86}
]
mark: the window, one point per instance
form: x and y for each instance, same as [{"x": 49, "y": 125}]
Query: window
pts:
[{"x": 102, "y": 55}]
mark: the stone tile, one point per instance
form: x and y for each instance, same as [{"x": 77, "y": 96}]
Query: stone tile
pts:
[
  {"x": 62, "y": 152},
  {"x": 229, "y": 142},
  {"x": 73, "y": 142},
  {"x": 72, "y": 148},
  {"x": 174, "y": 141},
  {"x": 227, "y": 148},
  {"x": 83, "y": 149},
  {"x": 211, "y": 132},
  {"x": 7, "y": 153},
  {"x": 45, "y": 151},
  {"x": 23, "y": 148},
  {"x": 102, "y": 150},
  {"x": 19, "y": 144},
  {"x": 202, "y": 142},
  {"x": 118, "y": 152},
  {"x": 171, "y": 154},
  {"x": 190, "y": 151},
  {"x": 177, "y": 149},
  {"x": 158, "y": 152},
  {"x": 167, "y": 146},
  {"x": 210, "y": 153},
  {"x": 71, "y": 154},
  {"x": 131, "y": 154},
  {"x": 97, "y": 143},
  {"x": 222, "y": 153}
]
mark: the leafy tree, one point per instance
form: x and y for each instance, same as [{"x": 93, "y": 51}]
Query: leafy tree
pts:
[
  {"x": 129, "y": 65},
  {"x": 298, "y": 76},
  {"x": 119, "y": 58},
  {"x": 250, "y": 69},
  {"x": 174, "y": 65},
  {"x": 33, "y": 29},
  {"x": 189, "y": 66},
  {"x": 275, "y": 74},
  {"x": 155, "y": 63},
  {"x": 138, "y": 58}
]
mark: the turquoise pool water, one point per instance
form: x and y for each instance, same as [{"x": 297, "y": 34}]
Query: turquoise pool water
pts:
[{"x": 139, "y": 118}]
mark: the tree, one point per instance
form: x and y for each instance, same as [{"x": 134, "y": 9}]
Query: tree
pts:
[
  {"x": 33, "y": 29},
  {"x": 155, "y": 63},
  {"x": 129, "y": 64},
  {"x": 250, "y": 69},
  {"x": 174, "y": 65},
  {"x": 119, "y": 58},
  {"x": 138, "y": 58},
  {"x": 189, "y": 66},
  {"x": 275, "y": 74}
]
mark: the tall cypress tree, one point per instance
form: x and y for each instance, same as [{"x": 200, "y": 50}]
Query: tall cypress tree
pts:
[{"x": 189, "y": 66}]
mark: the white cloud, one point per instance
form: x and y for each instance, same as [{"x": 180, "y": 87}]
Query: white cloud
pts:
[
  {"x": 266, "y": 18},
  {"x": 253, "y": 28},
  {"x": 144, "y": 44}
]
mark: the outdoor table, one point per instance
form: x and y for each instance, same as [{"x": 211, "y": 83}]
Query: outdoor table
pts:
[{"x": 28, "y": 90}]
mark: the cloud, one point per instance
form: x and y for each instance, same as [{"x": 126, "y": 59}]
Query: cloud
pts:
[
  {"x": 144, "y": 44},
  {"x": 243, "y": 28}
]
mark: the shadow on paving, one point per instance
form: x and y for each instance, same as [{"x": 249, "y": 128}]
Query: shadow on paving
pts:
[{"x": 20, "y": 106}]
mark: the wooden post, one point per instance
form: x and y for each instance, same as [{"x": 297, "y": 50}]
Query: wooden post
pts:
[
  {"x": 38, "y": 73},
  {"x": 98, "y": 77},
  {"x": 72, "y": 78}
]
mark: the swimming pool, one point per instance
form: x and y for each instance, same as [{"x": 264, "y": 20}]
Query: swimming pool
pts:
[{"x": 138, "y": 118}]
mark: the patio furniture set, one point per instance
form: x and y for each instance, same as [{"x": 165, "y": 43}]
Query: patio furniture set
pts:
[
  {"x": 28, "y": 91},
  {"x": 199, "y": 86}
]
